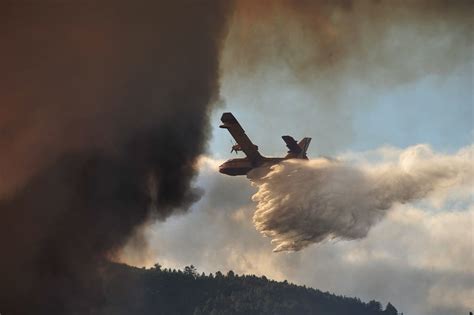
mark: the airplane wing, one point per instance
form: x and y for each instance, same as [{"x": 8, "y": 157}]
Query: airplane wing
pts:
[
  {"x": 291, "y": 144},
  {"x": 230, "y": 123}
]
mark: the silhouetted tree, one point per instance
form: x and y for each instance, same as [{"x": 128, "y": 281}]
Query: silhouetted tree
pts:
[
  {"x": 375, "y": 306},
  {"x": 157, "y": 267},
  {"x": 190, "y": 271},
  {"x": 390, "y": 310}
]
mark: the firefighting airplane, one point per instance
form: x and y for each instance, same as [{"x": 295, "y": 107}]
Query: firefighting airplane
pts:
[{"x": 254, "y": 159}]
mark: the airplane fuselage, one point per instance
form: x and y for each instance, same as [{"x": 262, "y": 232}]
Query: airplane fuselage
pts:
[{"x": 242, "y": 166}]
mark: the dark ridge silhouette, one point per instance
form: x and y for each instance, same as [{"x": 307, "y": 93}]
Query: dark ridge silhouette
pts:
[{"x": 131, "y": 290}]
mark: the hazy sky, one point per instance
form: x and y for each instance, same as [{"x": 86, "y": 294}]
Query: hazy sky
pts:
[
  {"x": 435, "y": 109},
  {"x": 415, "y": 88}
]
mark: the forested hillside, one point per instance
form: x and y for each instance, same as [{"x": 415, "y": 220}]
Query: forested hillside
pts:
[{"x": 131, "y": 290}]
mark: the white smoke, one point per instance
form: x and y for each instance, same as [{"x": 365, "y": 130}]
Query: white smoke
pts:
[{"x": 304, "y": 202}]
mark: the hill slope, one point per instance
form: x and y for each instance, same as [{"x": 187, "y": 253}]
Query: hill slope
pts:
[{"x": 131, "y": 290}]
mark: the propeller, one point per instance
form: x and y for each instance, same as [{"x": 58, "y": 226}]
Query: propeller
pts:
[{"x": 233, "y": 147}]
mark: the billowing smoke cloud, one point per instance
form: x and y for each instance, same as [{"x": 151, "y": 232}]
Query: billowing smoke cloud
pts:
[
  {"x": 373, "y": 40},
  {"x": 326, "y": 63},
  {"x": 304, "y": 202},
  {"x": 104, "y": 109}
]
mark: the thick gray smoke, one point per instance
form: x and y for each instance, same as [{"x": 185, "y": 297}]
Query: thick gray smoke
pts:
[
  {"x": 103, "y": 112},
  {"x": 304, "y": 202},
  {"x": 377, "y": 41}
]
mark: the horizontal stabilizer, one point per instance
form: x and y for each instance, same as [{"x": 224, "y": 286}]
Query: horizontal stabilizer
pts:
[
  {"x": 291, "y": 144},
  {"x": 297, "y": 150}
]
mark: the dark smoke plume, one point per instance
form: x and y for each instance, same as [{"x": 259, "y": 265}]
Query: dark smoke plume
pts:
[
  {"x": 381, "y": 41},
  {"x": 103, "y": 111}
]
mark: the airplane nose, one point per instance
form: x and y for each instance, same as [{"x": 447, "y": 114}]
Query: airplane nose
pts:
[{"x": 222, "y": 169}]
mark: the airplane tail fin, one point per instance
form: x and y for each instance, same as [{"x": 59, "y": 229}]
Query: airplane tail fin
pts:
[
  {"x": 296, "y": 150},
  {"x": 304, "y": 144}
]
